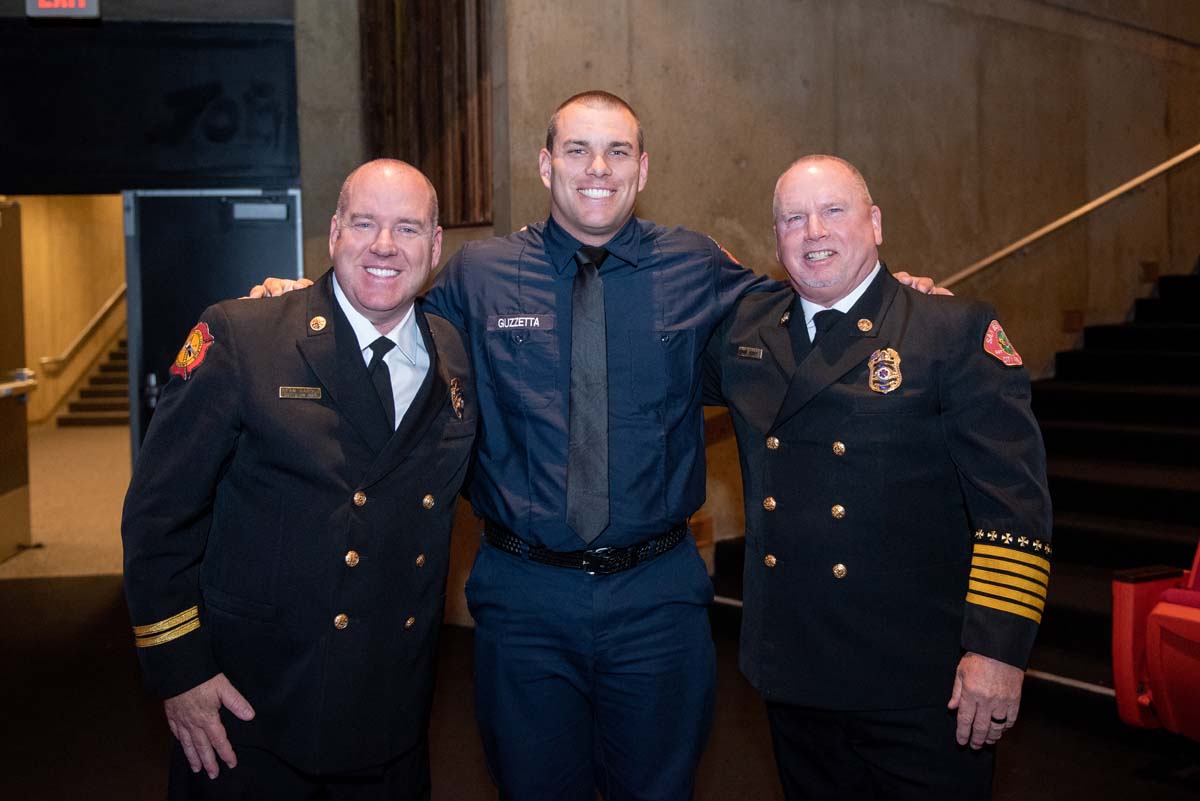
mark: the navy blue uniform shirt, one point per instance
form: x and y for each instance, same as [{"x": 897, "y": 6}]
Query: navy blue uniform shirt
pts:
[{"x": 665, "y": 291}]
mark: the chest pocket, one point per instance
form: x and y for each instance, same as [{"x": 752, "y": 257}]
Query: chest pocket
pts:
[
  {"x": 656, "y": 369},
  {"x": 524, "y": 366}
]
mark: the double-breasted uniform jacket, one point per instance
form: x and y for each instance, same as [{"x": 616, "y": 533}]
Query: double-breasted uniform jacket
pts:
[
  {"x": 887, "y": 532},
  {"x": 276, "y": 529}
]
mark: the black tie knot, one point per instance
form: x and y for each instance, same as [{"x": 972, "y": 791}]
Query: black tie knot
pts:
[
  {"x": 379, "y": 349},
  {"x": 589, "y": 254},
  {"x": 824, "y": 320}
]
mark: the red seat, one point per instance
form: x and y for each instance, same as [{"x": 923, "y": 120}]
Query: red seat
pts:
[{"x": 1156, "y": 648}]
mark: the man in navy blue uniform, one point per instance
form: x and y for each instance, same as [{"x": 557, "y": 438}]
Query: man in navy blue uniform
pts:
[
  {"x": 897, "y": 517},
  {"x": 594, "y": 660},
  {"x": 287, "y": 529},
  {"x": 594, "y": 663}
]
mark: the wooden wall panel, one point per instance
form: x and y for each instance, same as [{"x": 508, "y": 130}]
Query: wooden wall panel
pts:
[{"x": 73, "y": 253}]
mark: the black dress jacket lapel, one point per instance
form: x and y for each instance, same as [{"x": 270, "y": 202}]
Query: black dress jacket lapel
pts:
[
  {"x": 331, "y": 350},
  {"x": 842, "y": 348}
]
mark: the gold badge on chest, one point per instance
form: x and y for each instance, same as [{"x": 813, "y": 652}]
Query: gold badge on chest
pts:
[{"x": 884, "y": 371}]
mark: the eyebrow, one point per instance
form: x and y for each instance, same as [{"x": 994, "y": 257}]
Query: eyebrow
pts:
[
  {"x": 585, "y": 143},
  {"x": 409, "y": 220}
]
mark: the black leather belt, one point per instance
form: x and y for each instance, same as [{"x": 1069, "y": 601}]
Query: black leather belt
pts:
[{"x": 597, "y": 561}]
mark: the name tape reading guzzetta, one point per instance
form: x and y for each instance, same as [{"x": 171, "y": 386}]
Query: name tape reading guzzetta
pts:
[{"x": 503, "y": 322}]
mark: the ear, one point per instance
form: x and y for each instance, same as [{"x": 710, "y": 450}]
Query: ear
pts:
[
  {"x": 545, "y": 166},
  {"x": 333, "y": 234},
  {"x": 643, "y": 170},
  {"x": 437, "y": 247},
  {"x": 877, "y": 224}
]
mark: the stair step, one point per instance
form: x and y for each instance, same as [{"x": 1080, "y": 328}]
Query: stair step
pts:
[
  {"x": 109, "y": 379},
  {"x": 1184, "y": 288},
  {"x": 1143, "y": 443},
  {"x": 1165, "y": 310},
  {"x": 93, "y": 419},
  {"x": 1128, "y": 367},
  {"x": 120, "y": 404},
  {"x": 1078, "y": 615},
  {"x": 1143, "y": 336},
  {"x": 115, "y": 367},
  {"x": 103, "y": 392},
  {"x": 1073, "y": 400},
  {"x": 1118, "y": 543},
  {"x": 1125, "y": 489}
]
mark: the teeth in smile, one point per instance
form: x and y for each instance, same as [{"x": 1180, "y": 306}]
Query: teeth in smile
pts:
[
  {"x": 818, "y": 254},
  {"x": 382, "y": 272},
  {"x": 598, "y": 193}
]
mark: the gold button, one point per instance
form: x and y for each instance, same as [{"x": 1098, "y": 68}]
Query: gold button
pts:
[
  {"x": 865, "y": 325},
  {"x": 839, "y": 571},
  {"x": 839, "y": 449},
  {"x": 317, "y": 323},
  {"x": 427, "y": 501},
  {"x": 420, "y": 560},
  {"x": 360, "y": 498},
  {"x": 769, "y": 503},
  {"x": 408, "y": 624},
  {"x": 351, "y": 558},
  {"x": 341, "y": 621},
  {"x": 769, "y": 560},
  {"x": 838, "y": 511},
  {"x": 772, "y": 443}
]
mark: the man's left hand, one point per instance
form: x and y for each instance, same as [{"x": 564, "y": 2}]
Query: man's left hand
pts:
[
  {"x": 987, "y": 695},
  {"x": 921, "y": 283}
]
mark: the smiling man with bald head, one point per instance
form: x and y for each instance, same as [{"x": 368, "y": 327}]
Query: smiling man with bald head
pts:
[
  {"x": 287, "y": 528},
  {"x": 897, "y": 517}
]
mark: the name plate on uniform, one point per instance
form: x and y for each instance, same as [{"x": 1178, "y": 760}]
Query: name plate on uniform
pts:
[
  {"x": 301, "y": 393},
  {"x": 745, "y": 352},
  {"x": 503, "y": 322}
]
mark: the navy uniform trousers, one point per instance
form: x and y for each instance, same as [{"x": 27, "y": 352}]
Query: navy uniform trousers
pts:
[{"x": 897, "y": 516}]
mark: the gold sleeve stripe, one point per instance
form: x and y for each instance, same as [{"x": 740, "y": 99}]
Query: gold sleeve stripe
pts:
[
  {"x": 1004, "y": 606},
  {"x": 1012, "y": 553},
  {"x": 1004, "y": 592},
  {"x": 169, "y": 623},
  {"x": 173, "y": 634},
  {"x": 1012, "y": 567},
  {"x": 1010, "y": 581}
]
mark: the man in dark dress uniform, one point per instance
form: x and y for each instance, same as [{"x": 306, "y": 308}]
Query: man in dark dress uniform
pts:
[
  {"x": 594, "y": 662},
  {"x": 898, "y": 522},
  {"x": 288, "y": 524}
]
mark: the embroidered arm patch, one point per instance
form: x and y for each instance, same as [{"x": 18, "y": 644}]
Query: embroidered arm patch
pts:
[{"x": 996, "y": 343}]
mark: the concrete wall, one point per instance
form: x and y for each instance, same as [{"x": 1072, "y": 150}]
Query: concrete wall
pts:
[{"x": 975, "y": 121}]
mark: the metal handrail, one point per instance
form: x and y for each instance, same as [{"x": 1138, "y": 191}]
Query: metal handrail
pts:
[
  {"x": 1066, "y": 219},
  {"x": 54, "y": 365}
]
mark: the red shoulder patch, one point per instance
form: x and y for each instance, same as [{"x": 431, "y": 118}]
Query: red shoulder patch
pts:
[
  {"x": 192, "y": 354},
  {"x": 995, "y": 342}
]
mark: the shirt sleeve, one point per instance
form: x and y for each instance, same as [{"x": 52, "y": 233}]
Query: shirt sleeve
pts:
[
  {"x": 732, "y": 280},
  {"x": 997, "y": 447},
  {"x": 168, "y": 509},
  {"x": 445, "y": 298}
]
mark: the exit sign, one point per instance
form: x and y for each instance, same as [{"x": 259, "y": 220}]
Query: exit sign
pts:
[{"x": 76, "y": 9}]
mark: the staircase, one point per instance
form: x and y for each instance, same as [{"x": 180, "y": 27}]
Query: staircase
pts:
[
  {"x": 103, "y": 400},
  {"x": 1121, "y": 420}
]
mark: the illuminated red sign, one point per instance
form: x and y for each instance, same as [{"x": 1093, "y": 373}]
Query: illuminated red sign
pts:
[{"x": 86, "y": 9}]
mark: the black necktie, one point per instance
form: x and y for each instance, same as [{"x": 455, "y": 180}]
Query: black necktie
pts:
[
  {"x": 823, "y": 320},
  {"x": 382, "y": 379},
  {"x": 587, "y": 441}
]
